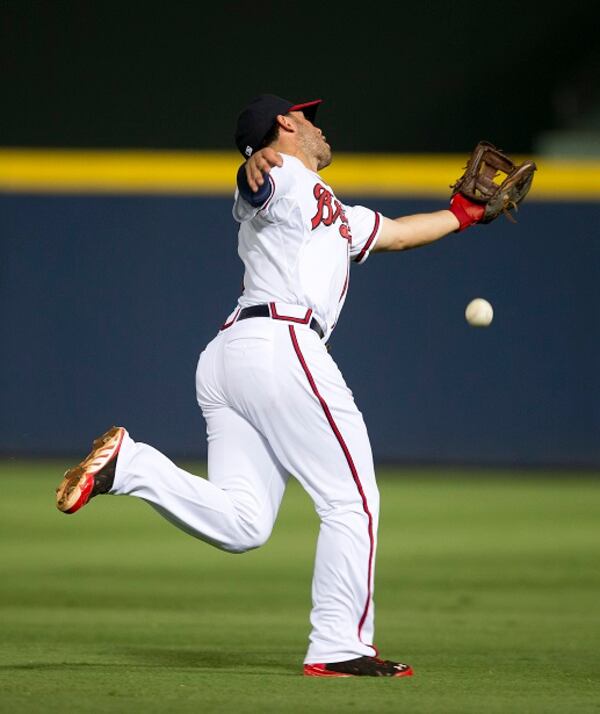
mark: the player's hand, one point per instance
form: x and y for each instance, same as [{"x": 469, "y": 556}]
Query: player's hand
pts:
[{"x": 260, "y": 163}]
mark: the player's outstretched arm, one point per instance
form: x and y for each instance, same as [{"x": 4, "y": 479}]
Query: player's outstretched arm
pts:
[
  {"x": 416, "y": 230},
  {"x": 479, "y": 196},
  {"x": 423, "y": 228}
]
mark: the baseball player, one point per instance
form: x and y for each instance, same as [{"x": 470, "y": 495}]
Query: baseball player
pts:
[{"x": 274, "y": 401}]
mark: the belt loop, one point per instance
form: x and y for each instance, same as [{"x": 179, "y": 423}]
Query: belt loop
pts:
[{"x": 270, "y": 310}]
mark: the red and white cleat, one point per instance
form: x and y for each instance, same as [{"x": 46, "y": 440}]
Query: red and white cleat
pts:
[
  {"x": 94, "y": 475},
  {"x": 359, "y": 667}
]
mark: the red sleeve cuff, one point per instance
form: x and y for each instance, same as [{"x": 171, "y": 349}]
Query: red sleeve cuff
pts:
[{"x": 466, "y": 212}]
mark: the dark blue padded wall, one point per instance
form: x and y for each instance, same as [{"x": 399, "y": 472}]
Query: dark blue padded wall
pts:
[{"x": 106, "y": 302}]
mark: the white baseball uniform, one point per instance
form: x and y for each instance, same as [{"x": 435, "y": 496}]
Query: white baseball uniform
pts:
[{"x": 275, "y": 404}]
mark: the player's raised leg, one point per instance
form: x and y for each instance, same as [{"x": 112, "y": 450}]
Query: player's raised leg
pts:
[{"x": 235, "y": 510}]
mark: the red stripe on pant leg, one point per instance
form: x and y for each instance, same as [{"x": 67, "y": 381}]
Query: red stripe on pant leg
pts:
[{"x": 351, "y": 465}]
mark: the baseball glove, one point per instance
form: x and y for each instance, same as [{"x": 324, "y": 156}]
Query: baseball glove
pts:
[{"x": 477, "y": 184}]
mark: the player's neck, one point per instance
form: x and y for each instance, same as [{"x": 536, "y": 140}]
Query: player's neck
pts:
[
  {"x": 310, "y": 162},
  {"x": 291, "y": 149}
]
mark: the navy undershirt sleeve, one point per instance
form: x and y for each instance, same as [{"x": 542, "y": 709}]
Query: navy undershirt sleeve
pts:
[{"x": 254, "y": 198}]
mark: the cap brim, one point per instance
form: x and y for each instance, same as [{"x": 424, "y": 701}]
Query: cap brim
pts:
[{"x": 309, "y": 109}]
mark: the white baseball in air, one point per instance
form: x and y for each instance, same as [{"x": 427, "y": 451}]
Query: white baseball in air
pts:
[{"x": 479, "y": 313}]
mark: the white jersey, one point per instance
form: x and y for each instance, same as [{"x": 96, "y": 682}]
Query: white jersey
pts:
[{"x": 297, "y": 246}]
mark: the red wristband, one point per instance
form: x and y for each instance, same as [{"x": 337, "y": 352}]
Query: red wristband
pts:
[{"x": 467, "y": 212}]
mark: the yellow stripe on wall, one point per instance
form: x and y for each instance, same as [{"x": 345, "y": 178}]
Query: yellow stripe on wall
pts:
[
  {"x": 117, "y": 171},
  {"x": 213, "y": 173}
]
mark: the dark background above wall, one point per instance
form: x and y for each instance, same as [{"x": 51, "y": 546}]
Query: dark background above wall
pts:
[{"x": 429, "y": 76}]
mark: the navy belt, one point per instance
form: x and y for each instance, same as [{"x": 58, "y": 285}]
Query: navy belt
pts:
[{"x": 264, "y": 311}]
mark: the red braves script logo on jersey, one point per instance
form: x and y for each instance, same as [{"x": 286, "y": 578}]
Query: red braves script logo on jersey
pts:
[{"x": 329, "y": 209}]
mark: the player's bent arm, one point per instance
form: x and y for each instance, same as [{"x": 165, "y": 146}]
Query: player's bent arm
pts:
[
  {"x": 412, "y": 231},
  {"x": 259, "y": 164}
]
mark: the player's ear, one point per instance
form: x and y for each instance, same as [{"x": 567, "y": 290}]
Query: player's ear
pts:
[{"x": 285, "y": 122}]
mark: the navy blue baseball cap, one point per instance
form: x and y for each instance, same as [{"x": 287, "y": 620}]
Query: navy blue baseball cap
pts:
[{"x": 257, "y": 119}]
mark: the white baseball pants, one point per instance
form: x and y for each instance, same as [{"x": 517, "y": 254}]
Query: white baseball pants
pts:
[{"x": 275, "y": 404}]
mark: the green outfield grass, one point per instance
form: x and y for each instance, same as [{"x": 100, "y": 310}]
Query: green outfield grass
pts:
[{"x": 487, "y": 583}]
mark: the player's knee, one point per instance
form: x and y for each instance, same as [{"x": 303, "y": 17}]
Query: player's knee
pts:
[
  {"x": 257, "y": 534},
  {"x": 252, "y": 536},
  {"x": 372, "y": 499},
  {"x": 359, "y": 505}
]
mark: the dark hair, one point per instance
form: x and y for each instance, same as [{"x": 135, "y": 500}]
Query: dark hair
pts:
[{"x": 272, "y": 135}]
